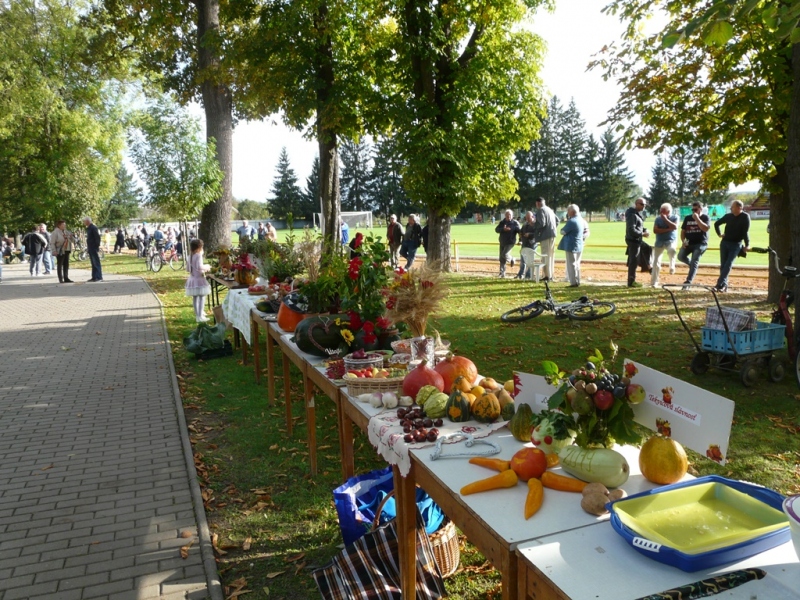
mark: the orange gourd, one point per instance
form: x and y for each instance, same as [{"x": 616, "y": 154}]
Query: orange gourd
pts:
[
  {"x": 453, "y": 367},
  {"x": 562, "y": 483},
  {"x": 506, "y": 479}
]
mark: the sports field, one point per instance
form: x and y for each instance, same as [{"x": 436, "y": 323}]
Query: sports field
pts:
[{"x": 606, "y": 242}]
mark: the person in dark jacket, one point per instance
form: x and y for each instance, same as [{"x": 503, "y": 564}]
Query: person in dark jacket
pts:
[
  {"x": 736, "y": 239},
  {"x": 394, "y": 235},
  {"x": 35, "y": 244},
  {"x": 120, "y": 243},
  {"x": 412, "y": 238},
  {"x": 634, "y": 232},
  {"x": 93, "y": 249},
  {"x": 508, "y": 229}
]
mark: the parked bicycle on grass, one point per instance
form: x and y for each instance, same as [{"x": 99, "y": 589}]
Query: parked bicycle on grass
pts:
[
  {"x": 582, "y": 309},
  {"x": 158, "y": 256}
]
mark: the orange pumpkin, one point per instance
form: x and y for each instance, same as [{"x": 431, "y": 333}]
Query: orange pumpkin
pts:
[{"x": 453, "y": 367}]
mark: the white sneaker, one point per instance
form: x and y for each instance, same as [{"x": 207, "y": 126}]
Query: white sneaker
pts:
[
  {"x": 672, "y": 270},
  {"x": 202, "y": 319}
]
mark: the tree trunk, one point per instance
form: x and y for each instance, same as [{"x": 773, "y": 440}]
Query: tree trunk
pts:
[
  {"x": 780, "y": 238},
  {"x": 438, "y": 240},
  {"x": 793, "y": 171},
  {"x": 215, "y": 226}
]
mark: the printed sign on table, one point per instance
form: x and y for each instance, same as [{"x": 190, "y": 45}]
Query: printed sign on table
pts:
[{"x": 697, "y": 418}]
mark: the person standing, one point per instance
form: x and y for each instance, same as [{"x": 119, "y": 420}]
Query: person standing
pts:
[
  {"x": 107, "y": 241},
  {"x": 412, "y": 238},
  {"x": 245, "y": 231},
  {"x": 119, "y": 244},
  {"x": 345, "y": 232},
  {"x": 526, "y": 236},
  {"x": 34, "y": 244},
  {"x": 61, "y": 242},
  {"x": 735, "y": 240},
  {"x": 394, "y": 234},
  {"x": 572, "y": 244},
  {"x": 665, "y": 226},
  {"x": 93, "y": 249},
  {"x": 634, "y": 232},
  {"x": 694, "y": 238},
  {"x": 262, "y": 232},
  {"x": 197, "y": 287},
  {"x": 272, "y": 233},
  {"x": 546, "y": 224},
  {"x": 47, "y": 255},
  {"x": 508, "y": 229}
]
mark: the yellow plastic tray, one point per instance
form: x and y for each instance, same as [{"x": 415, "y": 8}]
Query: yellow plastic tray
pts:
[{"x": 699, "y": 518}]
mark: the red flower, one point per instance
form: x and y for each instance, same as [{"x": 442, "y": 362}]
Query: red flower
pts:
[
  {"x": 400, "y": 271},
  {"x": 368, "y": 327},
  {"x": 427, "y": 284},
  {"x": 391, "y": 302},
  {"x": 370, "y": 338},
  {"x": 359, "y": 239},
  {"x": 274, "y": 279},
  {"x": 383, "y": 323},
  {"x": 355, "y": 320}
]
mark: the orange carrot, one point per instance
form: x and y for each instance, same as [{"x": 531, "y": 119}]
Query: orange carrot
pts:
[
  {"x": 506, "y": 479},
  {"x": 533, "y": 502},
  {"x": 554, "y": 481},
  {"x": 491, "y": 463}
]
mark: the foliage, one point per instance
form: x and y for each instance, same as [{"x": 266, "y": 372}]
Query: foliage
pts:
[
  {"x": 277, "y": 261},
  {"x": 659, "y": 191},
  {"x": 124, "y": 204},
  {"x": 180, "y": 170},
  {"x": 354, "y": 176},
  {"x": 252, "y": 210},
  {"x": 388, "y": 196},
  {"x": 60, "y": 117},
  {"x": 368, "y": 275},
  {"x": 310, "y": 195},
  {"x": 286, "y": 196}
]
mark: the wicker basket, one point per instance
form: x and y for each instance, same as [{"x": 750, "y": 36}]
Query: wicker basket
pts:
[
  {"x": 367, "y": 385},
  {"x": 444, "y": 542},
  {"x": 363, "y": 363}
]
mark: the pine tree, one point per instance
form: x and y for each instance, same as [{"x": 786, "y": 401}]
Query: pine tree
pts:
[
  {"x": 355, "y": 175},
  {"x": 124, "y": 204},
  {"x": 545, "y": 160},
  {"x": 286, "y": 196},
  {"x": 310, "y": 202},
  {"x": 615, "y": 183},
  {"x": 659, "y": 191},
  {"x": 386, "y": 186},
  {"x": 684, "y": 168},
  {"x": 572, "y": 140}
]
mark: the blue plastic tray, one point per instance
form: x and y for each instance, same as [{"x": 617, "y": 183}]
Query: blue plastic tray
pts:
[
  {"x": 764, "y": 338},
  {"x": 712, "y": 558}
]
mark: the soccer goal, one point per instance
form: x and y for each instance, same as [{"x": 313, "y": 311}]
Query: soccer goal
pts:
[{"x": 355, "y": 220}]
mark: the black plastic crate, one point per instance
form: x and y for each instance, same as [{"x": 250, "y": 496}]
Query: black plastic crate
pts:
[{"x": 226, "y": 350}]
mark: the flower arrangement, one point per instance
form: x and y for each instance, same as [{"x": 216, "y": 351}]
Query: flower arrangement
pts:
[
  {"x": 413, "y": 296},
  {"x": 244, "y": 263},
  {"x": 277, "y": 262},
  {"x": 367, "y": 277},
  {"x": 600, "y": 400}
]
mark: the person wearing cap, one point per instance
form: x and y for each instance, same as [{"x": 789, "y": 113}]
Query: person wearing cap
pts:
[
  {"x": 694, "y": 240},
  {"x": 394, "y": 234},
  {"x": 634, "y": 232}
]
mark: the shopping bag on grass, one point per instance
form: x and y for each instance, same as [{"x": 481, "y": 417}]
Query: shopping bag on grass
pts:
[
  {"x": 359, "y": 497},
  {"x": 369, "y": 568},
  {"x": 205, "y": 337}
]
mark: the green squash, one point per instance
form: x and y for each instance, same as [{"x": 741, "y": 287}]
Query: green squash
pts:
[
  {"x": 321, "y": 336},
  {"x": 508, "y": 411},
  {"x": 425, "y": 392},
  {"x": 457, "y": 407},
  {"x": 435, "y": 405},
  {"x": 521, "y": 424}
]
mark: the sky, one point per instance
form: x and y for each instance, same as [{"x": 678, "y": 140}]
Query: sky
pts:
[{"x": 574, "y": 32}]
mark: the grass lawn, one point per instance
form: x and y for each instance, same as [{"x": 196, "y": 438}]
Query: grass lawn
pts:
[
  {"x": 256, "y": 478},
  {"x": 606, "y": 242}
]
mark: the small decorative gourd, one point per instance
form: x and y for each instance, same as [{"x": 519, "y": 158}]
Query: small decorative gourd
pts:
[
  {"x": 486, "y": 409},
  {"x": 521, "y": 423},
  {"x": 457, "y": 407}
]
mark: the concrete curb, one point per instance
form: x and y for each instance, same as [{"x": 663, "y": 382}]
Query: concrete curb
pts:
[{"x": 203, "y": 532}]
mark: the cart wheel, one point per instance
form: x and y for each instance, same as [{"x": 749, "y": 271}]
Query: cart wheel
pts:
[
  {"x": 749, "y": 372},
  {"x": 700, "y": 363},
  {"x": 776, "y": 369}
]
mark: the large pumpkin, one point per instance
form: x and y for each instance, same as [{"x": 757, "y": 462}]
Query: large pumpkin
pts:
[
  {"x": 662, "y": 460},
  {"x": 321, "y": 336},
  {"x": 453, "y": 367},
  {"x": 486, "y": 409},
  {"x": 419, "y": 377}
]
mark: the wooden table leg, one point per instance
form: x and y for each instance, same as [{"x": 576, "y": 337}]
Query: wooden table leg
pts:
[
  {"x": 345, "y": 440},
  {"x": 256, "y": 350},
  {"x": 510, "y": 578},
  {"x": 270, "y": 369},
  {"x": 405, "y": 498},
  {"x": 236, "y": 338},
  {"x": 245, "y": 350},
  {"x": 311, "y": 422},
  {"x": 287, "y": 392}
]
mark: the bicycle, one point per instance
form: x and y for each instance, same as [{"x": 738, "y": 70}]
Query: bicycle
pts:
[
  {"x": 582, "y": 309},
  {"x": 781, "y": 315},
  {"x": 81, "y": 253}
]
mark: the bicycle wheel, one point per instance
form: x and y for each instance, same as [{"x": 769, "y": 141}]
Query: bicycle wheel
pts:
[
  {"x": 80, "y": 256},
  {"x": 591, "y": 311},
  {"x": 175, "y": 262},
  {"x": 523, "y": 313},
  {"x": 156, "y": 263}
]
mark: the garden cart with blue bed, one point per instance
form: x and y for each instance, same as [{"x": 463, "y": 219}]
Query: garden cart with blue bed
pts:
[{"x": 733, "y": 340}]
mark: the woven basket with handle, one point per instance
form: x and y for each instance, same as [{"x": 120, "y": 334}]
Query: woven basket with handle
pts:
[
  {"x": 367, "y": 385},
  {"x": 444, "y": 542}
]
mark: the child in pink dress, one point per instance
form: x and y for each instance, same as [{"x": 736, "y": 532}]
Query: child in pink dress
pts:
[{"x": 196, "y": 286}]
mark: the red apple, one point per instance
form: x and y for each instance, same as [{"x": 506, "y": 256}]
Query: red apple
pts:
[
  {"x": 528, "y": 463},
  {"x": 603, "y": 399}
]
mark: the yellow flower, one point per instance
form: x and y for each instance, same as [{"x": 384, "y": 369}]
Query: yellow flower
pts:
[
  {"x": 338, "y": 322},
  {"x": 347, "y": 335}
]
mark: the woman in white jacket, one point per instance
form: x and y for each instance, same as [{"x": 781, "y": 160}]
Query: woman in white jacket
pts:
[{"x": 61, "y": 244}]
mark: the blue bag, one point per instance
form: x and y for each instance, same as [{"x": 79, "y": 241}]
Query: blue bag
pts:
[{"x": 359, "y": 497}]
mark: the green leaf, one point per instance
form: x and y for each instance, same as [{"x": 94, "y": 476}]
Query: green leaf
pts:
[
  {"x": 794, "y": 38},
  {"x": 550, "y": 368},
  {"x": 670, "y": 39},
  {"x": 558, "y": 399},
  {"x": 719, "y": 33}
]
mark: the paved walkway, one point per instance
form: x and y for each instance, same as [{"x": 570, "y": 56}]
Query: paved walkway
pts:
[{"x": 96, "y": 499}]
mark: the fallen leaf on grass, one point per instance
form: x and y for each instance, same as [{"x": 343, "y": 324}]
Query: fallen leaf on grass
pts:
[
  {"x": 217, "y": 549},
  {"x": 247, "y": 542},
  {"x": 275, "y": 574},
  {"x": 294, "y": 558}
]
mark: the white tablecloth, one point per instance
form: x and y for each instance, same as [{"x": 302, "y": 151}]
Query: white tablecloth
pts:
[{"x": 237, "y": 306}]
